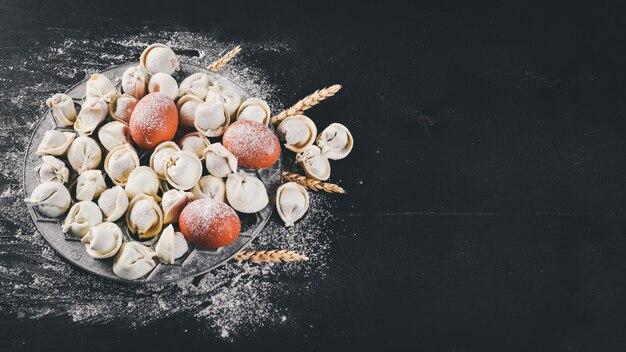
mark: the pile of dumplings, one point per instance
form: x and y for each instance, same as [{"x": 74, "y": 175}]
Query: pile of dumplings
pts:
[{"x": 95, "y": 175}]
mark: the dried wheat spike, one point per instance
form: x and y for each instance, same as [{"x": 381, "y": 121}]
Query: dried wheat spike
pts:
[
  {"x": 216, "y": 65},
  {"x": 308, "y": 102},
  {"x": 273, "y": 256},
  {"x": 312, "y": 184}
]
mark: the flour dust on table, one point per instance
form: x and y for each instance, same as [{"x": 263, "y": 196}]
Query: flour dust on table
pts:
[{"x": 233, "y": 300}]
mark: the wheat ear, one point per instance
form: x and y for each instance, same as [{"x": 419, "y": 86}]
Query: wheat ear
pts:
[
  {"x": 312, "y": 184},
  {"x": 273, "y": 256},
  {"x": 308, "y": 102},
  {"x": 216, "y": 65}
]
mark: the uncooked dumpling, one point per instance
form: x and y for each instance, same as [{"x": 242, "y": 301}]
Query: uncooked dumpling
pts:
[
  {"x": 160, "y": 155},
  {"x": 113, "y": 134},
  {"x": 113, "y": 203},
  {"x": 183, "y": 170},
  {"x": 254, "y": 109},
  {"x": 121, "y": 107},
  {"x": 134, "y": 81},
  {"x": 81, "y": 218},
  {"x": 144, "y": 216},
  {"x": 51, "y": 199},
  {"x": 211, "y": 118},
  {"x": 133, "y": 261},
  {"x": 164, "y": 83},
  {"x": 298, "y": 132},
  {"x": 194, "y": 142},
  {"x": 197, "y": 84},
  {"x": 53, "y": 169},
  {"x": 93, "y": 111},
  {"x": 142, "y": 180},
  {"x": 63, "y": 109},
  {"x": 173, "y": 203},
  {"x": 159, "y": 58},
  {"x": 227, "y": 94},
  {"x": 187, "y": 105},
  {"x": 103, "y": 240},
  {"x": 210, "y": 187},
  {"x": 335, "y": 141},
  {"x": 246, "y": 193},
  {"x": 292, "y": 201},
  {"x": 84, "y": 154},
  {"x": 99, "y": 86},
  {"x": 55, "y": 143},
  {"x": 219, "y": 161},
  {"x": 171, "y": 245},
  {"x": 120, "y": 162},
  {"x": 89, "y": 185},
  {"x": 314, "y": 164}
]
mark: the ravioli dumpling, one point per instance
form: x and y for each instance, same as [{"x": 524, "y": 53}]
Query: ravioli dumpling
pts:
[
  {"x": 93, "y": 111},
  {"x": 246, "y": 193},
  {"x": 51, "y": 199},
  {"x": 210, "y": 187},
  {"x": 103, "y": 240},
  {"x": 133, "y": 261},
  {"x": 254, "y": 109},
  {"x": 298, "y": 132},
  {"x": 335, "y": 141},
  {"x": 53, "y": 169},
  {"x": 142, "y": 180},
  {"x": 170, "y": 246},
  {"x": 314, "y": 164},
  {"x": 134, "y": 81},
  {"x": 63, "y": 109},
  {"x": 173, "y": 203},
  {"x": 84, "y": 154},
  {"x": 219, "y": 161},
  {"x": 99, "y": 86},
  {"x": 183, "y": 170},
  {"x": 144, "y": 216},
  {"x": 120, "y": 162},
  {"x": 89, "y": 185},
  {"x": 160, "y": 155},
  {"x": 81, "y": 218},
  {"x": 113, "y": 203},
  {"x": 55, "y": 143},
  {"x": 292, "y": 201},
  {"x": 113, "y": 134}
]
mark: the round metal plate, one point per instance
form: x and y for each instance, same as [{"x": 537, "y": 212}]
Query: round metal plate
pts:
[{"x": 196, "y": 261}]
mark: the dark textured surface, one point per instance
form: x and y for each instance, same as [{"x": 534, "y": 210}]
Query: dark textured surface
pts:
[{"x": 486, "y": 205}]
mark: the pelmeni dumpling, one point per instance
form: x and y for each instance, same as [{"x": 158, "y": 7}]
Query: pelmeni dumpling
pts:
[
  {"x": 197, "y": 84},
  {"x": 298, "y": 132},
  {"x": 120, "y": 162},
  {"x": 314, "y": 164},
  {"x": 210, "y": 187},
  {"x": 292, "y": 201},
  {"x": 90, "y": 185},
  {"x": 227, "y": 94},
  {"x": 187, "y": 105},
  {"x": 99, "y": 86},
  {"x": 144, "y": 216},
  {"x": 114, "y": 134},
  {"x": 81, "y": 218},
  {"x": 159, "y": 58},
  {"x": 335, "y": 141},
  {"x": 164, "y": 83},
  {"x": 211, "y": 118},
  {"x": 51, "y": 199},
  {"x": 160, "y": 155},
  {"x": 171, "y": 246},
  {"x": 133, "y": 261},
  {"x": 63, "y": 109},
  {"x": 173, "y": 203},
  {"x": 53, "y": 170},
  {"x": 103, "y": 240},
  {"x": 134, "y": 81},
  {"x": 254, "y": 109},
  {"x": 55, "y": 142},
  {"x": 219, "y": 161},
  {"x": 194, "y": 142},
  {"x": 183, "y": 170},
  {"x": 84, "y": 154},
  {"x": 121, "y": 107},
  {"x": 142, "y": 180},
  {"x": 113, "y": 202},
  {"x": 93, "y": 111},
  {"x": 246, "y": 193}
]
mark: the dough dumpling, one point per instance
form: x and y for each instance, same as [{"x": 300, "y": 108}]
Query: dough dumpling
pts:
[
  {"x": 81, "y": 218},
  {"x": 246, "y": 193},
  {"x": 133, "y": 261},
  {"x": 54, "y": 170},
  {"x": 51, "y": 199}
]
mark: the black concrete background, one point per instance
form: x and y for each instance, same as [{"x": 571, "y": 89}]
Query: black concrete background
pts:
[{"x": 486, "y": 186}]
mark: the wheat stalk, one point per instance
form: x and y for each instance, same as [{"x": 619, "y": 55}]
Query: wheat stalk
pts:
[
  {"x": 216, "y": 65},
  {"x": 273, "y": 256},
  {"x": 312, "y": 184},
  {"x": 308, "y": 102}
]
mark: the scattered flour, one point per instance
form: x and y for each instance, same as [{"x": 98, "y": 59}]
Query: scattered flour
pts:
[{"x": 232, "y": 301}]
